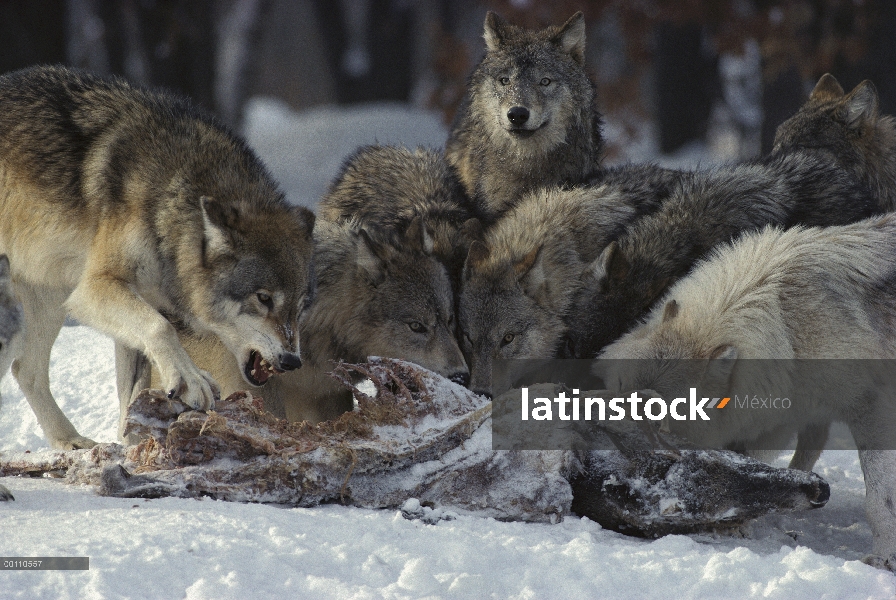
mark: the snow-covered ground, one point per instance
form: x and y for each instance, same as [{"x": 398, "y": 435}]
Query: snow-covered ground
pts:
[{"x": 172, "y": 548}]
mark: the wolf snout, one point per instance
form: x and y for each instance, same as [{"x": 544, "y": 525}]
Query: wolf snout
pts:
[
  {"x": 518, "y": 115},
  {"x": 289, "y": 361}
]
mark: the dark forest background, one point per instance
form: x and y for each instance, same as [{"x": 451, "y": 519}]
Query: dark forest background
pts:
[{"x": 677, "y": 64}]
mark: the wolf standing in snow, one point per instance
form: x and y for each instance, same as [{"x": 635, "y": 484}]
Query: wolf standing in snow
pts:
[
  {"x": 12, "y": 330},
  {"x": 374, "y": 299},
  {"x": 801, "y": 293},
  {"x": 131, "y": 211},
  {"x": 822, "y": 172},
  {"x": 529, "y": 118},
  {"x": 384, "y": 188}
]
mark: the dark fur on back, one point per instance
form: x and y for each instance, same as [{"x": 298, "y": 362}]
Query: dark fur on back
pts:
[
  {"x": 384, "y": 188},
  {"x": 818, "y": 179},
  {"x": 559, "y": 143}
]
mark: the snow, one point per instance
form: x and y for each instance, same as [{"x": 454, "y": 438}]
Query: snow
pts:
[{"x": 195, "y": 549}]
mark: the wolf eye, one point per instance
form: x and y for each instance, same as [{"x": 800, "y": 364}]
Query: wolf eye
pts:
[
  {"x": 545, "y": 81},
  {"x": 507, "y": 339},
  {"x": 504, "y": 80},
  {"x": 417, "y": 327},
  {"x": 265, "y": 299}
]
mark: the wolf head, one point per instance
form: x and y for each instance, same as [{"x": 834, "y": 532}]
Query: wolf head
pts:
[
  {"x": 507, "y": 311},
  {"x": 12, "y": 319},
  {"x": 532, "y": 83},
  {"x": 379, "y": 298},
  {"x": 850, "y": 129},
  {"x": 258, "y": 278}
]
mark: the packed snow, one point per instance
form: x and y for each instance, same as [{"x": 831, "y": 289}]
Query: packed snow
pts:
[{"x": 175, "y": 548}]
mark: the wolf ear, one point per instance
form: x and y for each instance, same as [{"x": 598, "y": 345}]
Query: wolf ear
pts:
[
  {"x": 476, "y": 257},
  {"x": 494, "y": 31},
  {"x": 531, "y": 274},
  {"x": 418, "y": 237},
  {"x": 827, "y": 88},
  {"x": 610, "y": 267},
  {"x": 218, "y": 222},
  {"x": 371, "y": 258},
  {"x": 572, "y": 37},
  {"x": 862, "y": 105},
  {"x": 305, "y": 217},
  {"x": 670, "y": 311}
]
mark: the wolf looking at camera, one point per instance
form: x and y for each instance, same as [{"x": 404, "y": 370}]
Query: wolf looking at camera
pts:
[
  {"x": 131, "y": 211},
  {"x": 528, "y": 119}
]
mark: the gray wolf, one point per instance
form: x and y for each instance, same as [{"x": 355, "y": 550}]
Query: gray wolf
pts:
[
  {"x": 374, "y": 299},
  {"x": 528, "y": 118},
  {"x": 800, "y": 293},
  {"x": 814, "y": 176},
  {"x": 518, "y": 283},
  {"x": 12, "y": 330},
  {"x": 132, "y": 211},
  {"x": 384, "y": 188}
]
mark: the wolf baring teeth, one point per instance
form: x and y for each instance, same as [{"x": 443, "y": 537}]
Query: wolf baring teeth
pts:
[{"x": 133, "y": 211}]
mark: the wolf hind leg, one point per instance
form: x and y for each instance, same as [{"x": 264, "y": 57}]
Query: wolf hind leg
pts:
[
  {"x": 44, "y": 316},
  {"x": 879, "y": 468}
]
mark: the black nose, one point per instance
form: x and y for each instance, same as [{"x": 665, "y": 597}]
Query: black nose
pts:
[
  {"x": 460, "y": 378},
  {"x": 518, "y": 115},
  {"x": 288, "y": 362}
]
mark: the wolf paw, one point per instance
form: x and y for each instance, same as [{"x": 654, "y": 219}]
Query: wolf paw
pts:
[
  {"x": 879, "y": 562},
  {"x": 76, "y": 442},
  {"x": 5, "y": 494},
  {"x": 198, "y": 391}
]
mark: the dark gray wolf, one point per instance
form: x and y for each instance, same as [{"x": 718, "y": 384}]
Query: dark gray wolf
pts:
[
  {"x": 800, "y": 293},
  {"x": 384, "y": 188},
  {"x": 528, "y": 119},
  {"x": 374, "y": 299},
  {"x": 12, "y": 331},
  {"x": 131, "y": 211},
  {"x": 814, "y": 176},
  {"x": 518, "y": 283}
]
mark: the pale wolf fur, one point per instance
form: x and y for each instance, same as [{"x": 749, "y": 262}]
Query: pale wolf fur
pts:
[
  {"x": 131, "y": 210},
  {"x": 517, "y": 284},
  {"x": 12, "y": 331},
  {"x": 814, "y": 176},
  {"x": 384, "y": 188},
  {"x": 801, "y": 293},
  {"x": 374, "y": 299},
  {"x": 528, "y": 118}
]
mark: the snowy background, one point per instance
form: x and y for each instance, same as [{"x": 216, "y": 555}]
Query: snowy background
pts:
[{"x": 172, "y": 548}]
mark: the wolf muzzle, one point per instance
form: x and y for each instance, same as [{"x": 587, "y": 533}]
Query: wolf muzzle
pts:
[{"x": 289, "y": 361}]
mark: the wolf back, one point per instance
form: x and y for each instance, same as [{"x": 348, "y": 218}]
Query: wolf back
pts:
[
  {"x": 801, "y": 293},
  {"x": 384, "y": 188},
  {"x": 529, "y": 117},
  {"x": 804, "y": 180},
  {"x": 130, "y": 209}
]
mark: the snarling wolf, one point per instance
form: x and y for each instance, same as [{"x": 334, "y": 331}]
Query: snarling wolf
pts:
[
  {"x": 518, "y": 283},
  {"x": 528, "y": 118},
  {"x": 800, "y": 293},
  {"x": 384, "y": 188},
  {"x": 131, "y": 211},
  {"x": 373, "y": 299},
  {"x": 12, "y": 331},
  {"x": 816, "y": 175}
]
